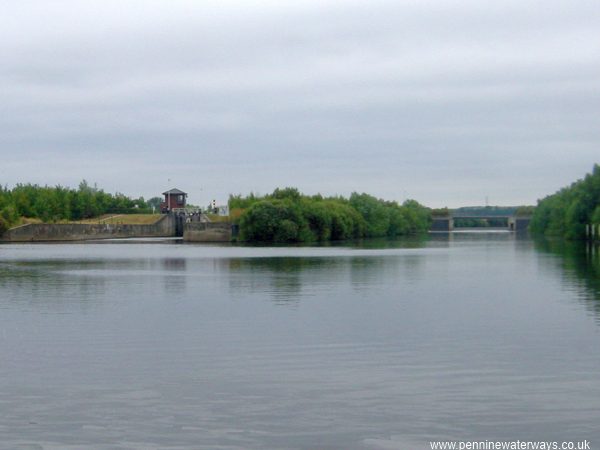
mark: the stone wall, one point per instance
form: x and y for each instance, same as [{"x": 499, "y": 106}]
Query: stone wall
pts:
[
  {"x": 38, "y": 232},
  {"x": 207, "y": 232}
]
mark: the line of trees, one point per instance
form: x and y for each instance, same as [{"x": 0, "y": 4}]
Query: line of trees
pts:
[
  {"x": 566, "y": 213},
  {"x": 53, "y": 204},
  {"x": 286, "y": 215}
]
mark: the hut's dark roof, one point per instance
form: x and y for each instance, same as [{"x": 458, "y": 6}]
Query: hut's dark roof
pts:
[{"x": 174, "y": 192}]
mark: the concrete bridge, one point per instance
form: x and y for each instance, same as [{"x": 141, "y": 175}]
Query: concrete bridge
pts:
[{"x": 513, "y": 222}]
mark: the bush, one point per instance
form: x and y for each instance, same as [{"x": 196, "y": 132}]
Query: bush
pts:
[
  {"x": 273, "y": 221},
  {"x": 596, "y": 215},
  {"x": 51, "y": 204},
  {"x": 566, "y": 213},
  {"x": 288, "y": 216},
  {"x": 3, "y": 225}
]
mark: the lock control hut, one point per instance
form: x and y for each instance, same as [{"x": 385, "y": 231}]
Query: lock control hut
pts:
[{"x": 174, "y": 199}]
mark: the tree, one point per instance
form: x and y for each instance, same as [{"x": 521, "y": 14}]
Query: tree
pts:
[
  {"x": 154, "y": 203},
  {"x": 51, "y": 204},
  {"x": 374, "y": 213},
  {"x": 567, "y": 212},
  {"x": 288, "y": 216}
]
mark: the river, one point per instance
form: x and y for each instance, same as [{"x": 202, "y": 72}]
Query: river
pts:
[{"x": 157, "y": 344}]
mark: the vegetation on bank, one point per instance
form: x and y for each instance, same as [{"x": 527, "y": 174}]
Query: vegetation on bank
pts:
[
  {"x": 56, "y": 204},
  {"x": 566, "y": 213},
  {"x": 286, "y": 215}
]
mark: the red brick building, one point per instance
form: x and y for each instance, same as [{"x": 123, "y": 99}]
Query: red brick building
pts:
[{"x": 174, "y": 198}]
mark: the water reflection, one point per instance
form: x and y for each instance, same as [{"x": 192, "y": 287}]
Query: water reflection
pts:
[
  {"x": 283, "y": 278},
  {"x": 48, "y": 286},
  {"x": 419, "y": 241},
  {"x": 464, "y": 335},
  {"x": 286, "y": 280},
  {"x": 62, "y": 285},
  {"x": 174, "y": 276},
  {"x": 580, "y": 264},
  {"x": 476, "y": 236},
  {"x": 174, "y": 264}
]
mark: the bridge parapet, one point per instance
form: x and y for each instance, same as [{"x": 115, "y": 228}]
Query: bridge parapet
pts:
[{"x": 446, "y": 223}]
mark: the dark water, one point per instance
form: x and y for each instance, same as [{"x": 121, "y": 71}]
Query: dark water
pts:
[{"x": 130, "y": 345}]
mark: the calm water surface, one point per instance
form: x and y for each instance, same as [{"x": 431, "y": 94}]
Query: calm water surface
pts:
[{"x": 390, "y": 345}]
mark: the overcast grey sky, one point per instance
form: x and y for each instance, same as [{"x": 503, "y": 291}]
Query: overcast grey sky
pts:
[{"x": 447, "y": 102}]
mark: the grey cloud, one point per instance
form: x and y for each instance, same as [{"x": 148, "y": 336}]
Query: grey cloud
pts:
[{"x": 440, "y": 101}]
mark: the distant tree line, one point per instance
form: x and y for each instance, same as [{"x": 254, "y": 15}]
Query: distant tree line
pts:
[
  {"x": 53, "y": 204},
  {"x": 286, "y": 215},
  {"x": 566, "y": 213}
]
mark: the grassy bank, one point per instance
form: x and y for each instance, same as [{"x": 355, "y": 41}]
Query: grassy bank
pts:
[{"x": 123, "y": 219}]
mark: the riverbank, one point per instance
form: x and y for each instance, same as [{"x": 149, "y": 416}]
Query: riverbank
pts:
[
  {"x": 42, "y": 232},
  {"x": 119, "y": 227}
]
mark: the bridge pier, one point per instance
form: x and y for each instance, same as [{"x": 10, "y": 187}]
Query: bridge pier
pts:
[
  {"x": 518, "y": 224},
  {"x": 442, "y": 224}
]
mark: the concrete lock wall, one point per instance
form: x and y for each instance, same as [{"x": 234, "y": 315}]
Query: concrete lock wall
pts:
[
  {"x": 39, "y": 232},
  {"x": 207, "y": 232}
]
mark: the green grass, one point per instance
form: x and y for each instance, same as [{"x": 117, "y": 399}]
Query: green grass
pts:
[
  {"x": 123, "y": 219},
  {"x": 217, "y": 218}
]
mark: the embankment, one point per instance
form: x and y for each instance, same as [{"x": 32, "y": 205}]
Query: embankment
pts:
[
  {"x": 39, "y": 232},
  {"x": 207, "y": 232}
]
